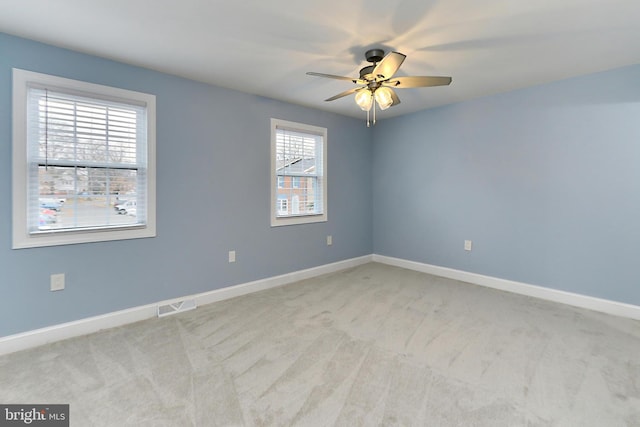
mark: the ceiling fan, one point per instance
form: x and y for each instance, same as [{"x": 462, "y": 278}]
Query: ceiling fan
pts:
[{"x": 377, "y": 82}]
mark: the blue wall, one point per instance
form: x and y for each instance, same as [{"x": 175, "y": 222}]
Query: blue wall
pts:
[
  {"x": 545, "y": 181},
  {"x": 213, "y": 196}
]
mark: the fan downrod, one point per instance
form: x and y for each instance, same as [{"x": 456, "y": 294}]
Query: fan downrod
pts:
[{"x": 374, "y": 56}]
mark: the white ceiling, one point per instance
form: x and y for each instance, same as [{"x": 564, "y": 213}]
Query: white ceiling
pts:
[{"x": 265, "y": 47}]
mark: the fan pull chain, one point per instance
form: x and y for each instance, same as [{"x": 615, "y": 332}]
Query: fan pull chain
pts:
[
  {"x": 374, "y": 111},
  {"x": 368, "y": 123}
]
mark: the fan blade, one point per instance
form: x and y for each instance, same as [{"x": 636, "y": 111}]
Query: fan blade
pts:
[
  {"x": 388, "y": 66},
  {"x": 331, "y": 76},
  {"x": 394, "y": 97},
  {"x": 345, "y": 93},
  {"x": 417, "y": 81}
]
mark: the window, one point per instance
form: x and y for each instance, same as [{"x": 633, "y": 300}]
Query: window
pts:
[
  {"x": 83, "y": 162},
  {"x": 283, "y": 208},
  {"x": 298, "y": 173}
]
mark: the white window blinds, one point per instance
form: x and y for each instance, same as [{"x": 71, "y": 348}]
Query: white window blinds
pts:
[{"x": 85, "y": 157}]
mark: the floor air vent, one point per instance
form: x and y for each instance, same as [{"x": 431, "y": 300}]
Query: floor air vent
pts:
[{"x": 176, "y": 307}]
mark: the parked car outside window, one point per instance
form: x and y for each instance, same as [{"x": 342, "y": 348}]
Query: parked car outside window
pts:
[
  {"x": 126, "y": 208},
  {"x": 52, "y": 204}
]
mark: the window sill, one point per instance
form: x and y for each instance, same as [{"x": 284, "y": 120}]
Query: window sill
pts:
[
  {"x": 298, "y": 219},
  {"x": 44, "y": 239}
]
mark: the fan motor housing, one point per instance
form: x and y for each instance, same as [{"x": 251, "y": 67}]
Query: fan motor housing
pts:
[
  {"x": 374, "y": 55},
  {"x": 364, "y": 72}
]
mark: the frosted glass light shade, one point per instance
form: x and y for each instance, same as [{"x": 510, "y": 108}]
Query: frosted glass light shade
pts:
[
  {"x": 364, "y": 99},
  {"x": 384, "y": 98}
]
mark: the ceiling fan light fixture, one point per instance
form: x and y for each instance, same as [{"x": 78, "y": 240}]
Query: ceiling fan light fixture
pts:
[
  {"x": 377, "y": 80},
  {"x": 384, "y": 97},
  {"x": 364, "y": 99}
]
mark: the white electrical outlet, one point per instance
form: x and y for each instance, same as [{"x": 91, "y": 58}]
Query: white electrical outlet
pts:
[
  {"x": 232, "y": 256},
  {"x": 57, "y": 282},
  {"x": 329, "y": 240},
  {"x": 467, "y": 245}
]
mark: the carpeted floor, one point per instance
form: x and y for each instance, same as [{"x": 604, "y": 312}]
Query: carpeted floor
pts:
[{"x": 373, "y": 345}]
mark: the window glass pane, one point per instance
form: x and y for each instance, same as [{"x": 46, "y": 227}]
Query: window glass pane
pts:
[
  {"x": 297, "y": 163},
  {"x": 296, "y": 154},
  {"x": 87, "y": 162},
  {"x": 74, "y": 129},
  {"x": 79, "y": 197},
  {"x": 298, "y": 189}
]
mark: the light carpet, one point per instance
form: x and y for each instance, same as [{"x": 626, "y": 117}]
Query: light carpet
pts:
[{"x": 372, "y": 345}]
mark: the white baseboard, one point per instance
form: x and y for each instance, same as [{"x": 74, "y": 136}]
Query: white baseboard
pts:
[
  {"x": 25, "y": 340},
  {"x": 596, "y": 304}
]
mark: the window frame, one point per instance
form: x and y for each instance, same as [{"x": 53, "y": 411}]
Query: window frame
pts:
[
  {"x": 277, "y": 221},
  {"x": 22, "y": 238}
]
